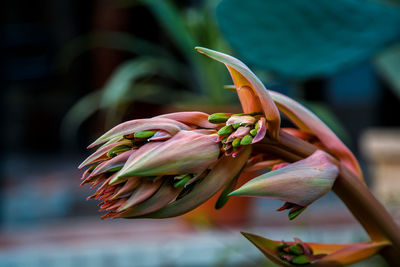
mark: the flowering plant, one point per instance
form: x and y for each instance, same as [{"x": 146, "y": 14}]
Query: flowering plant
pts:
[{"x": 168, "y": 165}]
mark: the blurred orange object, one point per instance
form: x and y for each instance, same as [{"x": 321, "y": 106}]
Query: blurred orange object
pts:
[{"x": 236, "y": 212}]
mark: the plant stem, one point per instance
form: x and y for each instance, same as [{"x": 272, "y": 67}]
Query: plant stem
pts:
[{"x": 371, "y": 214}]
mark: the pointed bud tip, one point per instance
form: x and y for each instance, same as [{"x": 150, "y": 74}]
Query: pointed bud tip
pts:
[{"x": 237, "y": 192}]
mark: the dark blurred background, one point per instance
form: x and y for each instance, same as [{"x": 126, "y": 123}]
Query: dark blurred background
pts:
[{"x": 72, "y": 69}]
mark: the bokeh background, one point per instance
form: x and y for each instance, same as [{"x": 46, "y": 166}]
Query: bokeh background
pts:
[{"x": 72, "y": 69}]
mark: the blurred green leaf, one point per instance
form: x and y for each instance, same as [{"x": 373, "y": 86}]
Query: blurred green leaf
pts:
[
  {"x": 113, "y": 40},
  {"x": 301, "y": 39},
  {"x": 120, "y": 82},
  {"x": 388, "y": 65},
  {"x": 171, "y": 20},
  {"x": 123, "y": 87}
]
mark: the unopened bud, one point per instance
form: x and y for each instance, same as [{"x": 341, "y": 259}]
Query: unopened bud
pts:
[
  {"x": 302, "y": 259},
  {"x": 296, "y": 249},
  {"x": 227, "y": 129},
  {"x": 218, "y": 117},
  {"x": 182, "y": 181},
  {"x": 246, "y": 140},
  {"x": 144, "y": 134},
  {"x": 236, "y": 142},
  {"x": 117, "y": 150},
  {"x": 253, "y": 132},
  {"x": 236, "y": 125}
]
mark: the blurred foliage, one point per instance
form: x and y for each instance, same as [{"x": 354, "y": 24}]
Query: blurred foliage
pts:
[
  {"x": 388, "y": 65},
  {"x": 304, "y": 39},
  {"x": 192, "y": 78}
]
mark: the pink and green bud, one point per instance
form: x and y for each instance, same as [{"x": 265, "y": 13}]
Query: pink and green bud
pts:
[
  {"x": 299, "y": 183},
  {"x": 186, "y": 152},
  {"x": 136, "y": 126}
]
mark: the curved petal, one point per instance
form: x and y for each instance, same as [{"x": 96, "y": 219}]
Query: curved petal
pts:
[
  {"x": 186, "y": 152},
  {"x": 160, "y": 199},
  {"x": 138, "y": 153},
  {"x": 309, "y": 122},
  {"x": 96, "y": 156},
  {"x": 117, "y": 161},
  {"x": 262, "y": 165},
  {"x": 261, "y": 131},
  {"x": 144, "y": 191},
  {"x": 244, "y": 78},
  {"x": 223, "y": 172},
  {"x": 348, "y": 253},
  {"x": 168, "y": 125},
  {"x": 191, "y": 117},
  {"x": 300, "y": 183}
]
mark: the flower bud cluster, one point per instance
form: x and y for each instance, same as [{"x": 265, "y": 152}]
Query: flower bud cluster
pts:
[
  {"x": 239, "y": 130},
  {"x": 297, "y": 253},
  {"x": 144, "y": 165}
]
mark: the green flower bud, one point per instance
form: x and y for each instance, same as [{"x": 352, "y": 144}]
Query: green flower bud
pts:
[
  {"x": 182, "y": 181},
  {"x": 227, "y": 129},
  {"x": 296, "y": 249},
  {"x": 236, "y": 142},
  {"x": 253, "y": 132},
  {"x": 144, "y": 134},
  {"x": 236, "y": 125},
  {"x": 218, "y": 117},
  {"x": 246, "y": 140},
  {"x": 117, "y": 150},
  {"x": 301, "y": 260}
]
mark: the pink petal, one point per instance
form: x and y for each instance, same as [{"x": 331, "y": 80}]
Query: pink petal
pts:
[
  {"x": 239, "y": 133},
  {"x": 166, "y": 194},
  {"x": 262, "y": 130},
  {"x": 101, "y": 152},
  {"x": 168, "y": 125},
  {"x": 241, "y": 119},
  {"x": 191, "y": 117},
  {"x": 112, "y": 163},
  {"x": 160, "y": 136},
  {"x": 145, "y": 190}
]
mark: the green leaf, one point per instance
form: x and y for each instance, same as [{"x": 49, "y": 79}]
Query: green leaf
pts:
[
  {"x": 301, "y": 39},
  {"x": 224, "y": 197},
  {"x": 388, "y": 63}
]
